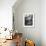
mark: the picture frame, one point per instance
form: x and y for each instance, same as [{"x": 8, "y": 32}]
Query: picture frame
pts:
[{"x": 28, "y": 19}]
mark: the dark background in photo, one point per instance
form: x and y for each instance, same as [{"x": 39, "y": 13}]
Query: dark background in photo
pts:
[{"x": 29, "y": 20}]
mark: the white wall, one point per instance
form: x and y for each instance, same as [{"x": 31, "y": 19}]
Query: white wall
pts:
[
  {"x": 6, "y": 13},
  {"x": 43, "y": 22},
  {"x": 33, "y": 6}
]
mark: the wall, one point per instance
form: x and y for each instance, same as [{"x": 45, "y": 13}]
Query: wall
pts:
[
  {"x": 43, "y": 22},
  {"x": 6, "y": 13},
  {"x": 33, "y": 33}
]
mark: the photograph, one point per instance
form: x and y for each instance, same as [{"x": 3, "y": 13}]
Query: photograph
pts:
[
  {"x": 28, "y": 20},
  {"x": 22, "y": 22}
]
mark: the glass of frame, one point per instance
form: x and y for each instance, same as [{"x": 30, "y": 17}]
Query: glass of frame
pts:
[{"x": 28, "y": 19}]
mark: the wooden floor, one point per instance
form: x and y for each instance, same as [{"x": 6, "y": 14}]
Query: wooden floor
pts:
[{"x": 9, "y": 43}]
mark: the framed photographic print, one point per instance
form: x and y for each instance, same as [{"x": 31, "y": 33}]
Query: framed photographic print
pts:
[{"x": 28, "y": 20}]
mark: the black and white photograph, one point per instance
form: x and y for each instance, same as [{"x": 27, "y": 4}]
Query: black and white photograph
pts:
[{"x": 28, "y": 20}]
